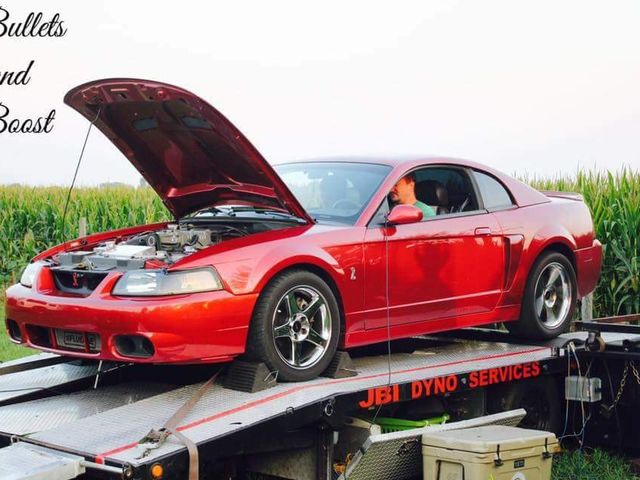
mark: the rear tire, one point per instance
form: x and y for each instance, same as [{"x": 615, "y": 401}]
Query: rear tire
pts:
[
  {"x": 295, "y": 326},
  {"x": 549, "y": 299}
]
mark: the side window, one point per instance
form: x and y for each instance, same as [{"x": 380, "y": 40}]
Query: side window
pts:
[
  {"x": 447, "y": 190},
  {"x": 494, "y": 195},
  {"x": 380, "y": 216},
  {"x": 437, "y": 191}
]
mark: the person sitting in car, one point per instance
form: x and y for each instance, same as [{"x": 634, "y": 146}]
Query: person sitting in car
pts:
[{"x": 404, "y": 192}]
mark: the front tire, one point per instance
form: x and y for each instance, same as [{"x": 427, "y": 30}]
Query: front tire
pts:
[
  {"x": 295, "y": 326},
  {"x": 549, "y": 299}
]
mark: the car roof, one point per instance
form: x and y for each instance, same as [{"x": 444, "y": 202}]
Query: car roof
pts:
[
  {"x": 522, "y": 194},
  {"x": 392, "y": 160}
]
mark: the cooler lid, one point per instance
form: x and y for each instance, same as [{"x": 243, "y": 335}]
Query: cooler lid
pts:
[{"x": 486, "y": 439}]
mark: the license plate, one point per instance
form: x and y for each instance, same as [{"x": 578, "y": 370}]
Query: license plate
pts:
[
  {"x": 69, "y": 339},
  {"x": 75, "y": 340}
]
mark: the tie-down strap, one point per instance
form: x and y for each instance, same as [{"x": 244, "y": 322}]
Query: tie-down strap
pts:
[{"x": 156, "y": 438}]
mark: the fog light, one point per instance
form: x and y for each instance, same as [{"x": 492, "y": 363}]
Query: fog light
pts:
[
  {"x": 14, "y": 330},
  {"x": 134, "y": 346}
]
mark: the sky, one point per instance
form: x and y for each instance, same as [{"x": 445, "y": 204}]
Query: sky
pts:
[{"x": 528, "y": 87}]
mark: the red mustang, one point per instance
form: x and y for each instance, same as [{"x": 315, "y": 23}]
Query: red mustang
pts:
[{"x": 286, "y": 267}]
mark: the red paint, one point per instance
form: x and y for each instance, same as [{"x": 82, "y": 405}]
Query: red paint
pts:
[
  {"x": 459, "y": 273},
  {"x": 444, "y": 273},
  {"x": 404, "y": 214},
  {"x": 434, "y": 386},
  {"x": 186, "y": 149},
  {"x": 215, "y": 331},
  {"x": 381, "y": 396},
  {"x": 493, "y": 376},
  {"x": 448, "y": 384}
]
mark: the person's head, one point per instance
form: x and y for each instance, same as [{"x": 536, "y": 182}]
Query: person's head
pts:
[{"x": 404, "y": 190}]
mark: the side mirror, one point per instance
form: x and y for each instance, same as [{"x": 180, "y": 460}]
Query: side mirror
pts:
[{"x": 403, "y": 214}]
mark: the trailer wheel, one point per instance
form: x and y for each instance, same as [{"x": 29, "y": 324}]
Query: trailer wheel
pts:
[
  {"x": 549, "y": 299},
  {"x": 295, "y": 326},
  {"x": 540, "y": 397}
]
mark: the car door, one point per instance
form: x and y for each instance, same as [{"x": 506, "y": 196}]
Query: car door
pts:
[{"x": 447, "y": 265}]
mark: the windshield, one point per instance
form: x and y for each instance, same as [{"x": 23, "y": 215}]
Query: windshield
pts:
[{"x": 333, "y": 192}]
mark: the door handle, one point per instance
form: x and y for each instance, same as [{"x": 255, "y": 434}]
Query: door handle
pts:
[{"x": 482, "y": 231}]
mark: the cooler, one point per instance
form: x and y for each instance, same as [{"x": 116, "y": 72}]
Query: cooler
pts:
[{"x": 491, "y": 452}]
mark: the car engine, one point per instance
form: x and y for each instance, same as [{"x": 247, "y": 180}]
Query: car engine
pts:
[{"x": 166, "y": 246}]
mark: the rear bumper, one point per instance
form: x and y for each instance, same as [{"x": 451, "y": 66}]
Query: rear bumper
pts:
[
  {"x": 588, "y": 267},
  {"x": 197, "y": 328}
]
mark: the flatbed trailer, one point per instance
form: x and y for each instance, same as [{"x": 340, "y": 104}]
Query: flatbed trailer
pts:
[{"x": 63, "y": 418}]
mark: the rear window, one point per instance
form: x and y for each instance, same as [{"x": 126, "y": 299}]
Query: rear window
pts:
[{"x": 494, "y": 195}]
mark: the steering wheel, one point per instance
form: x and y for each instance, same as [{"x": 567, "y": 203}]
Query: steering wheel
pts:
[{"x": 345, "y": 204}]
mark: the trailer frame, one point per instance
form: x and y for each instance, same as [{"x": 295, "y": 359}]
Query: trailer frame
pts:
[{"x": 478, "y": 363}]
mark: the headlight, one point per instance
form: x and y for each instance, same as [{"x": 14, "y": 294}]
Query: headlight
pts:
[
  {"x": 151, "y": 283},
  {"x": 30, "y": 273}
]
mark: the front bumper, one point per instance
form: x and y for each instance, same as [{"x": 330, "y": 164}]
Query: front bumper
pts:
[{"x": 195, "y": 328}]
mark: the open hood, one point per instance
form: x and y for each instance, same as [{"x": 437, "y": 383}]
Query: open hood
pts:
[{"x": 188, "y": 151}]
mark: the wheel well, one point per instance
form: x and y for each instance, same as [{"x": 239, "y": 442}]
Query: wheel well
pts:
[
  {"x": 562, "y": 249},
  {"x": 324, "y": 275}
]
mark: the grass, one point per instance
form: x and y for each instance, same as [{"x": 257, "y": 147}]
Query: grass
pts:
[
  {"x": 596, "y": 465},
  {"x": 8, "y": 349}
]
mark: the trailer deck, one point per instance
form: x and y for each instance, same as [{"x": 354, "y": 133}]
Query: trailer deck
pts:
[
  {"x": 105, "y": 424},
  {"x": 68, "y": 416}
]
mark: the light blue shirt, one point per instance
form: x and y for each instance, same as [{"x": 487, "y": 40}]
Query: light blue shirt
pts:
[{"x": 427, "y": 211}]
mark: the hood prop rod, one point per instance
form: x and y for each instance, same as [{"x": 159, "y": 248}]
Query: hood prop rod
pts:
[{"x": 73, "y": 182}]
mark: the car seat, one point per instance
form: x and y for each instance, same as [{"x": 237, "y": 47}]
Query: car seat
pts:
[{"x": 435, "y": 194}]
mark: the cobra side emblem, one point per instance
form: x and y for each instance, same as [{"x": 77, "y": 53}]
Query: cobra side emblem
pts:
[{"x": 353, "y": 273}]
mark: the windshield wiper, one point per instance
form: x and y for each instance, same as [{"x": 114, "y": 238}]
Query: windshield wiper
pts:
[
  {"x": 233, "y": 211},
  {"x": 269, "y": 211}
]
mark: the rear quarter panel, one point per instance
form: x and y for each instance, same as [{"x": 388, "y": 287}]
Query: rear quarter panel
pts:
[{"x": 561, "y": 224}]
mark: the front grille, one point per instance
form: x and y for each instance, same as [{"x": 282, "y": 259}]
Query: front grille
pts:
[
  {"x": 40, "y": 336},
  {"x": 70, "y": 340},
  {"x": 77, "y": 281}
]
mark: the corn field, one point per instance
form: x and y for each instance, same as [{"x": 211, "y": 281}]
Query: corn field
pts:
[
  {"x": 614, "y": 201},
  {"x": 31, "y": 220}
]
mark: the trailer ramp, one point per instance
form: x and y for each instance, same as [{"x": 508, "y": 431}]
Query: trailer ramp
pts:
[
  {"x": 43, "y": 374},
  {"x": 222, "y": 412},
  {"x": 22, "y": 461}
]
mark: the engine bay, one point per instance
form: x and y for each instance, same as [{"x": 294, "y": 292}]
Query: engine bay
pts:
[{"x": 164, "y": 247}]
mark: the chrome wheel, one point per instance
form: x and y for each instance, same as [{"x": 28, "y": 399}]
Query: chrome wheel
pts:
[
  {"x": 553, "y": 295},
  {"x": 301, "y": 327}
]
